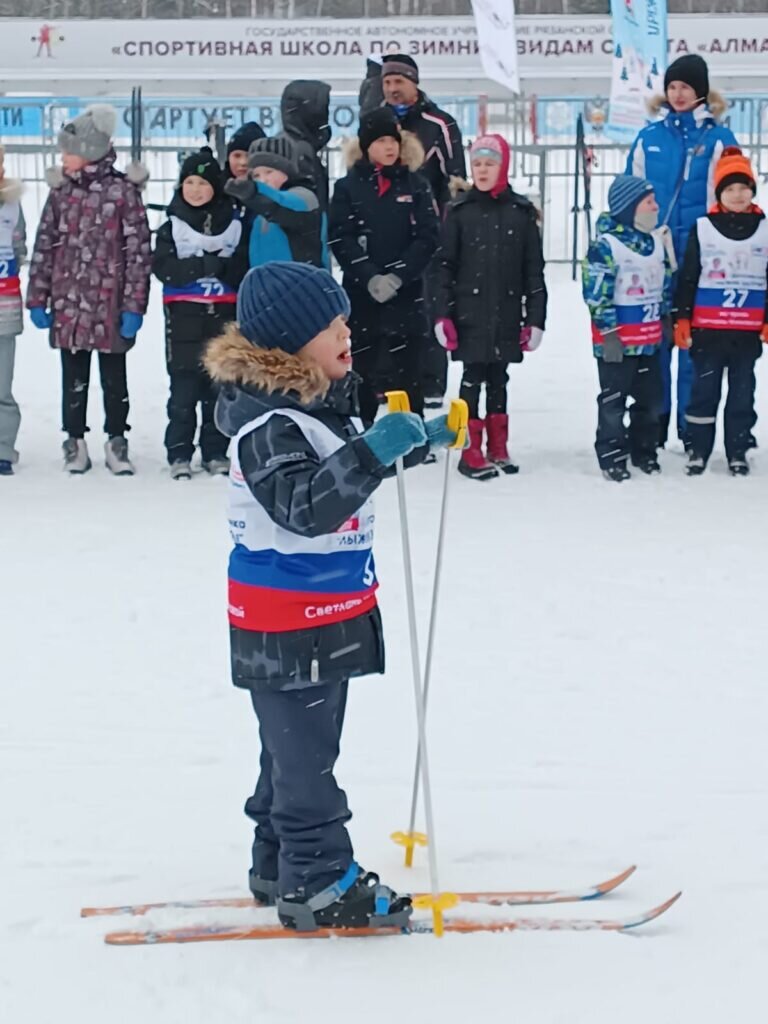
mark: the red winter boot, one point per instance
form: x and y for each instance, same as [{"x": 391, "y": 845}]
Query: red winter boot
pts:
[
  {"x": 473, "y": 463},
  {"x": 498, "y": 432}
]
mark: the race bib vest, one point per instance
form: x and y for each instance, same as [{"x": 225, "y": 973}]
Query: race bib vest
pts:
[
  {"x": 189, "y": 243},
  {"x": 279, "y": 581},
  {"x": 9, "y": 267},
  {"x": 638, "y": 294},
  {"x": 732, "y": 284}
]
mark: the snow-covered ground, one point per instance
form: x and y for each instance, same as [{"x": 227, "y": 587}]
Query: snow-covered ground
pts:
[{"x": 599, "y": 700}]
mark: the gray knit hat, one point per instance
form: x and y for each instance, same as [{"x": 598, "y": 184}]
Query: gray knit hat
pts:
[
  {"x": 89, "y": 135},
  {"x": 277, "y": 153}
]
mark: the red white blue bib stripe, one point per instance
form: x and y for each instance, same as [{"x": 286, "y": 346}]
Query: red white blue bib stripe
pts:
[
  {"x": 279, "y": 581},
  {"x": 732, "y": 283},
  {"x": 9, "y": 268},
  {"x": 189, "y": 243}
]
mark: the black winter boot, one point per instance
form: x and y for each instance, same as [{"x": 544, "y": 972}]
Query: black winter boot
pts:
[
  {"x": 647, "y": 464},
  {"x": 618, "y": 472},
  {"x": 358, "y": 900}
]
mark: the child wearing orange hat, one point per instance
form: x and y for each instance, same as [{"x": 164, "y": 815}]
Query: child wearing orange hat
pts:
[{"x": 722, "y": 313}]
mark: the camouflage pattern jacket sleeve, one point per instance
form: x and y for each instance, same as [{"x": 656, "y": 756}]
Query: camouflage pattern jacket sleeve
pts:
[
  {"x": 598, "y": 279},
  {"x": 300, "y": 492}
]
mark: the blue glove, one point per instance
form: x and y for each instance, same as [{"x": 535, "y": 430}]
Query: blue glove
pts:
[
  {"x": 438, "y": 433},
  {"x": 41, "y": 318},
  {"x": 130, "y": 324},
  {"x": 395, "y": 435}
]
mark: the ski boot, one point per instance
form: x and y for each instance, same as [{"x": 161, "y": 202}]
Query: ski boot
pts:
[
  {"x": 181, "y": 470},
  {"x": 696, "y": 464},
  {"x": 648, "y": 464},
  {"x": 498, "y": 433},
  {"x": 6, "y": 467},
  {"x": 738, "y": 466},
  {"x": 358, "y": 900},
  {"x": 76, "y": 458},
  {"x": 217, "y": 466},
  {"x": 473, "y": 463},
  {"x": 263, "y": 890},
  {"x": 116, "y": 453},
  {"x": 618, "y": 472}
]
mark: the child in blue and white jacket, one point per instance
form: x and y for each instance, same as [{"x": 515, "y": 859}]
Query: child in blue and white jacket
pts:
[
  {"x": 287, "y": 224},
  {"x": 13, "y": 251}
]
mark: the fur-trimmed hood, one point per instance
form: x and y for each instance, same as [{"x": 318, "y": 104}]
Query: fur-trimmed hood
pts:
[
  {"x": 716, "y": 106},
  {"x": 411, "y": 151},
  {"x": 11, "y": 190},
  {"x": 256, "y": 380}
]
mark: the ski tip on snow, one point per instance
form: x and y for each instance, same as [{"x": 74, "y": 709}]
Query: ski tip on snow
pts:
[{"x": 651, "y": 915}]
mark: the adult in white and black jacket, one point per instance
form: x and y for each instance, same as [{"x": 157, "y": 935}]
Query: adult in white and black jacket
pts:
[{"x": 383, "y": 232}]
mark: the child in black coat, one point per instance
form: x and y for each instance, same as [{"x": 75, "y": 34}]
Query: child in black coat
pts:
[
  {"x": 383, "y": 232},
  {"x": 201, "y": 256},
  {"x": 722, "y": 313}
]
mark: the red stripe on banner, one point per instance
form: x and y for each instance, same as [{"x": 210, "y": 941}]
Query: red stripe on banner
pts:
[
  {"x": 232, "y": 299},
  {"x": 267, "y": 610},
  {"x": 719, "y": 318},
  {"x": 633, "y": 334}
]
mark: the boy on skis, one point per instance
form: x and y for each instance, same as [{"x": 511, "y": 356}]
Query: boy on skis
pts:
[
  {"x": 13, "y": 250},
  {"x": 492, "y": 299},
  {"x": 302, "y": 583},
  {"x": 627, "y": 281},
  {"x": 722, "y": 313},
  {"x": 201, "y": 256},
  {"x": 287, "y": 223},
  {"x": 89, "y": 279}
]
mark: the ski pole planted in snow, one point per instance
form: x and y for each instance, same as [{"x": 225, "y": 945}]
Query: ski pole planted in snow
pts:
[
  {"x": 437, "y": 902},
  {"x": 458, "y": 421}
]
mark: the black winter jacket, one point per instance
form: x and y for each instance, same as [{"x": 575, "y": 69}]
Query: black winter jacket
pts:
[
  {"x": 302, "y": 494},
  {"x": 491, "y": 275},
  {"x": 441, "y": 139},
  {"x": 738, "y": 226},
  {"x": 189, "y": 326},
  {"x": 392, "y": 233},
  {"x": 305, "y": 112}
]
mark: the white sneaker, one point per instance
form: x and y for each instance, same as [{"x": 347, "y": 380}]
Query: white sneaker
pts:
[
  {"x": 116, "y": 452},
  {"x": 76, "y": 458},
  {"x": 181, "y": 470}
]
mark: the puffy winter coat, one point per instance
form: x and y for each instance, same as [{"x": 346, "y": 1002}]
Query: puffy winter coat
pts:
[
  {"x": 190, "y": 325},
  {"x": 304, "y": 108},
  {"x": 382, "y": 221},
  {"x": 302, "y": 494},
  {"x": 92, "y": 258},
  {"x": 491, "y": 275},
  {"x": 443, "y": 147},
  {"x": 739, "y": 227},
  {"x": 286, "y": 223},
  {"x": 678, "y": 154},
  {"x": 598, "y": 279},
  {"x": 13, "y": 250}
]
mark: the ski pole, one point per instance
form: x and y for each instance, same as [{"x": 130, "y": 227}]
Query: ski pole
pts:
[
  {"x": 458, "y": 420},
  {"x": 437, "y": 902}
]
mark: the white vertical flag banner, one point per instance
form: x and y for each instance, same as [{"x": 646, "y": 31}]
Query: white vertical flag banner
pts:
[
  {"x": 639, "y": 63},
  {"x": 497, "y": 41}
]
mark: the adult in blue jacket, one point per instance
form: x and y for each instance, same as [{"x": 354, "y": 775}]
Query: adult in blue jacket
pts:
[{"x": 677, "y": 154}]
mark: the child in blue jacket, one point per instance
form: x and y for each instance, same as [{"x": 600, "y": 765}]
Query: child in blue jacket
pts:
[
  {"x": 287, "y": 222},
  {"x": 627, "y": 285}
]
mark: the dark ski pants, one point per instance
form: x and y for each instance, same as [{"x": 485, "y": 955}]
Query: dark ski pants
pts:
[
  {"x": 739, "y": 416},
  {"x": 75, "y": 381},
  {"x": 494, "y": 377},
  {"x": 392, "y": 362},
  {"x": 639, "y": 378},
  {"x": 188, "y": 389},
  {"x": 299, "y": 809},
  {"x": 434, "y": 368}
]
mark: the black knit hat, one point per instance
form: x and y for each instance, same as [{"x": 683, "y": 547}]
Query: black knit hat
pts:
[
  {"x": 691, "y": 69},
  {"x": 246, "y": 134},
  {"x": 378, "y": 124},
  {"x": 400, "y": 64},
  {"x": 204, "y": 164},
  {"x": 277, "y": 153}
]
